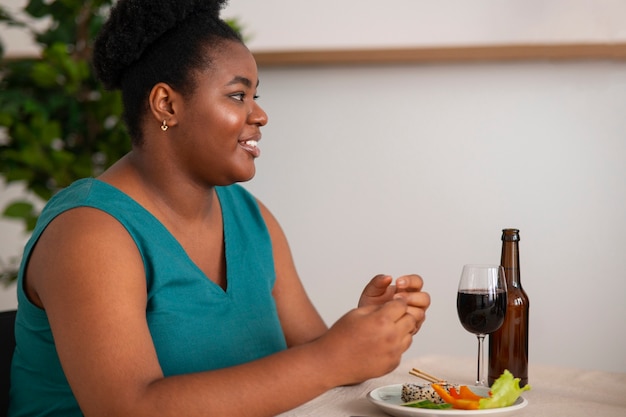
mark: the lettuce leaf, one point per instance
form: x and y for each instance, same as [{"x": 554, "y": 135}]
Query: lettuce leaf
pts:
[{"x": 504, "y": 392}]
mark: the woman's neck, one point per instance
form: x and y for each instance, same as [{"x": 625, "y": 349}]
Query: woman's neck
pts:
[{"x": 161, "y": 189}]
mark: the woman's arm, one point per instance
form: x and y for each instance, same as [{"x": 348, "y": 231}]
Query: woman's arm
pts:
[{"x": 88, "y": 275}]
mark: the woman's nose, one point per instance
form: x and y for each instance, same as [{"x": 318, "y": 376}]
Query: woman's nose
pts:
[{"x": 257, "y": 115}]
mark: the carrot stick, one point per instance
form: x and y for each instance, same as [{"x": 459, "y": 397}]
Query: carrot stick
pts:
[{"x": 468, "y": 394}]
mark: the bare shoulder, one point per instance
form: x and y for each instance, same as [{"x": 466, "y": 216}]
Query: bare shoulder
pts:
[
  {"x": 273, "y": 226},
  {"x": 269, "y": 218},
  {"x": 77, "y": 248}
]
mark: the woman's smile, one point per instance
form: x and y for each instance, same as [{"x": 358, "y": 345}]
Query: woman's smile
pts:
[{"x": 251, "y": 146}]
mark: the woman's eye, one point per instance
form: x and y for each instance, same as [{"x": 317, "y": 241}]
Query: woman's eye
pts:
[{"x": 242, "y": 96}]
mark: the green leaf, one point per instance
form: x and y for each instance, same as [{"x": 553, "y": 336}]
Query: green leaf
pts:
[
  {"x": 36, "y": 8},
  {"x": 45, "y": 75},
  {"x": 19, "y": 209},
  {"x": 18, "y": 174},
  {"x": 504, "y": 392}
]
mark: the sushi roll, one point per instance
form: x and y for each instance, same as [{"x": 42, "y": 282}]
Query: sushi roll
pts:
[{"x": 418, "y": 392}]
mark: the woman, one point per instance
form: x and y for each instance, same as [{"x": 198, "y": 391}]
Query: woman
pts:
[{"x": 163, "y": 288}]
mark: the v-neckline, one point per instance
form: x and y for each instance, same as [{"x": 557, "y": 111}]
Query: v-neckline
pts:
[{"x": 180, "y": 247}]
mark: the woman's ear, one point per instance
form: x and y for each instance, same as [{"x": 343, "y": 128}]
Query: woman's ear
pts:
[{"x": 161, "y": 101}]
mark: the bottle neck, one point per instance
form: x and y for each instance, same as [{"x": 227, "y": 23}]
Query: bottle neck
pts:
[{"x": 510, "y": 262}]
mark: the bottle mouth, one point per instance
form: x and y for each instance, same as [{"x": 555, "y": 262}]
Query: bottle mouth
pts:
[{"x": 510, "y": 235}]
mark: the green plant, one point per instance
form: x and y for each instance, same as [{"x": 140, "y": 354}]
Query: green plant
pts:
[{"x": 58, "y": 123}]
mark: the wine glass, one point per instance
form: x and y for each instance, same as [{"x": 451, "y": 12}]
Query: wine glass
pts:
[{"x": 481, "y": 304}]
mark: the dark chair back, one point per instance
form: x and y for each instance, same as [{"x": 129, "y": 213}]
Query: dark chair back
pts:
[{"x": 7, "y": 345}]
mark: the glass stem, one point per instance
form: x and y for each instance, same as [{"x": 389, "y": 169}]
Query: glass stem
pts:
[{"x": 480, "y": 379}]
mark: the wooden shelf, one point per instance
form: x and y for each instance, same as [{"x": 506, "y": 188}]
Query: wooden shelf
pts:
[{"x": 560, "y": 52}]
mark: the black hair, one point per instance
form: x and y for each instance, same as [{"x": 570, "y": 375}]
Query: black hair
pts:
[{"x": 145, "y": 42}]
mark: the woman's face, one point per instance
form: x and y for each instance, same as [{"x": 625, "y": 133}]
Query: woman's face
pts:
[{"x": 219, "y": 127}]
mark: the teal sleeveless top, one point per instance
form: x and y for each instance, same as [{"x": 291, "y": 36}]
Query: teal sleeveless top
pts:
[{"x": 195, "y": 324}]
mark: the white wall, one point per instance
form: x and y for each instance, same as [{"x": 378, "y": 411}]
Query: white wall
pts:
[
  {"x": 417, "y": 168},
  {"x": 372, "y": 23}
]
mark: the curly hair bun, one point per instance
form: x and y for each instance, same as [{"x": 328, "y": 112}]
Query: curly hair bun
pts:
[{"x": 135, "y": 24}]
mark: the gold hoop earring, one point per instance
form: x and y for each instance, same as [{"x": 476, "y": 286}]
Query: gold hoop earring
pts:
[{"x": 164, "y": 126}]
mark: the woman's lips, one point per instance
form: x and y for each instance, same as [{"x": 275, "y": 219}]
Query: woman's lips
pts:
[{"x": 251, "y": 146}]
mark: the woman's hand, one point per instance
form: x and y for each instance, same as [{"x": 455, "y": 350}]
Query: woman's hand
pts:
[
  {"x": 367, "y": 342},
  {"x": 407, "y": 287}
]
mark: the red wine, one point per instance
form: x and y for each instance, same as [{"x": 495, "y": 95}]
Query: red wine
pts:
[{"x": 481, "y": 312}]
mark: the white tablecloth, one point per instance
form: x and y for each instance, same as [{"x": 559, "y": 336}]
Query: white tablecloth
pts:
[{"x": 555, "y": 391}]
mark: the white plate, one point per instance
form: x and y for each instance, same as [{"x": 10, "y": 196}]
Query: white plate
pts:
[{"x": 388, "y": 399}]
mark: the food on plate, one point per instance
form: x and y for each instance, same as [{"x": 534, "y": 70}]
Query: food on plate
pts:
[
  {"x": 420, "y": 392},
  {"x": 427, "y": 404},
  {"x": 503, "y": 393}
]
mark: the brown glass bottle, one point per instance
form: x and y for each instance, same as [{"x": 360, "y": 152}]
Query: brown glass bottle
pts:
[{"x": 508, "y": 346}]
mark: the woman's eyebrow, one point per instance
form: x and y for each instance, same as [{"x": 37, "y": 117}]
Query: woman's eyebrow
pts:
[{"x": 238, "y": 79}]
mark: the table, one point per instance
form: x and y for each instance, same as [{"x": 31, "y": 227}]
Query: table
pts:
[{"x": 556, "y": 391}]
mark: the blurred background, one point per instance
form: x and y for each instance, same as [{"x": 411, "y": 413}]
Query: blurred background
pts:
[{"x": 406, "y": 167}]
